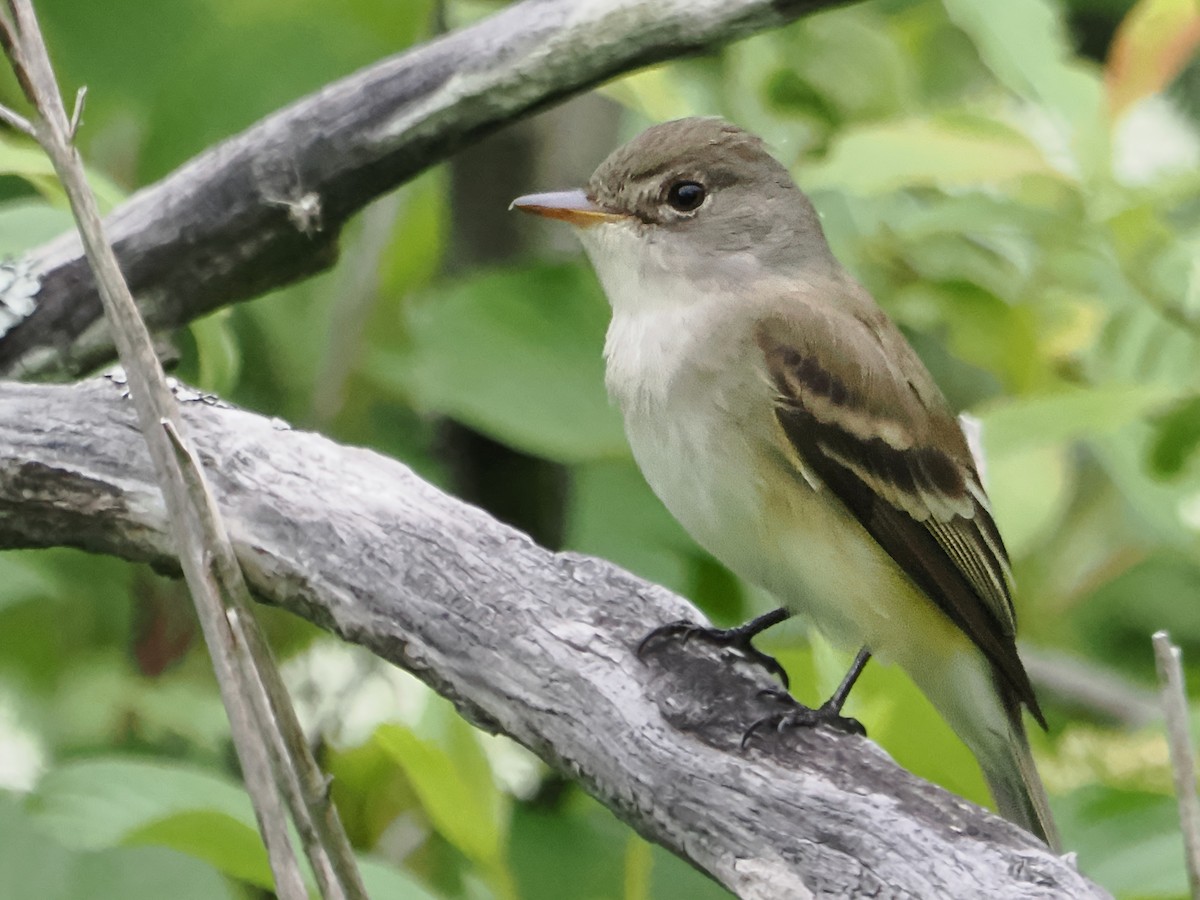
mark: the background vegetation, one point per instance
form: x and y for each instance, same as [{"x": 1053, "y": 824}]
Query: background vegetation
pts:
[{"x": 1016, "y": 183}]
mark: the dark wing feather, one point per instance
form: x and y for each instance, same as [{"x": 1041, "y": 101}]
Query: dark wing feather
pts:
[{"x": 865, "y": 418}]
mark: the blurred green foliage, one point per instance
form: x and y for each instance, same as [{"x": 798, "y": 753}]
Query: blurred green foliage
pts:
[{"x": 1029, "y": 215}]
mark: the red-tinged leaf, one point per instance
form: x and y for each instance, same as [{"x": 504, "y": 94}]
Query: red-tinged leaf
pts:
[{"x": 1151, "y": 47}]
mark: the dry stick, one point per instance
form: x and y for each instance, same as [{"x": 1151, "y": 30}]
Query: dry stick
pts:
[
  {"x": 301, "y": 780},
  {"x": 26, "y": 50},
  {"x": 247, "y": 724},
  {"x": 205, "y": 552},
  {"x": 1183, "y": 755}
]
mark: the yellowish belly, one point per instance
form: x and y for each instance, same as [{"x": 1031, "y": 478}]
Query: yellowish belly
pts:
[{"x": 773, "y": 528}]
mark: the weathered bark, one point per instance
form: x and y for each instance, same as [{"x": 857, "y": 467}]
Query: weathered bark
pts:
[
  {"x": 265, "y": 208},
  {"x": 530, "y": 643}
]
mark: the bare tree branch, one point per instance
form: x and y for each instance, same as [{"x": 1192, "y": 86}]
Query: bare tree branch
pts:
[
  {"x": 238, "y": 220},
  {"x": 526, "y": 642}
]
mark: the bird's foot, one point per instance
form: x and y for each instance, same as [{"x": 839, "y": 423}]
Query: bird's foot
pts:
[
  {"x": 799, "y": 716},
  {"x": 736, "y": 638}
]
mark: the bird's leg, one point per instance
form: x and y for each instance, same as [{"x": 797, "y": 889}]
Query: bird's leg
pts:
[
  {"x": 738, "y": 638},
  {"x": 828, "y": 713},
  {"x": 838, "y": 700}
]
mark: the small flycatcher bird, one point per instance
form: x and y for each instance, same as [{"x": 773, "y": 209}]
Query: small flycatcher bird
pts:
[{"x": 787, "y": 424}]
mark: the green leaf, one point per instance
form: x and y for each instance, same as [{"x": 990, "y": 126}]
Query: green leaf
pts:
[
  {"x": 23, "y": 158},
  {"x": 639, "y": 865},
  {"x": 29, "y": 858},
  {"x": 371, "y": 791},
  {"x": 846, "y": 65},
  {"x": 1118, "y": 617},
  {"x": 99, "y": 803},
  {"x": 1020, "y": 423},
  {"x": 947, "y": 151},
  {"x": 23, "y": 578},
  {"x": 992, "y": 242},
  {"x": 654, "y": 94},
  {"x": 26, "y": 160},
  {"x": 674, "y": 879},
  {"x": 460, "y": 800},
  {"x": 143, "y": 873},
  {"x": 217, "y": 352},
  {"x": 383, "y": 880},
  {"x": 224, "y": 842},
  {"x": 255, "y": 56},
  {"x": 577, "y": 842},
  {"x": 981, "y": 329},
  {"x": 415, "y": 246},
  {"x": 1167, "y": 512},
  {"x": 34, "y": 867},
  {"x": 1177, "y": 438},
  {"x": 400, "y": 24},
  {"x": 1030, "y": 490},
  {"x": 517, "y": 355},
  {"x": 612, "y": 513},
  {"x": 964, "y": 263},
  {"x": 41, "y": 640},
  {"x": 1025, "y": 44},
  {"x": 1138, "y": 345},
  {"x": 98, "y": 696},
  {"x": 1127, "y": 841},
  {"x": 25, "y": 224}
]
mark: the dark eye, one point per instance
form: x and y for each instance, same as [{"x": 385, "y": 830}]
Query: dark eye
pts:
[{"x": 685, "y": 196}]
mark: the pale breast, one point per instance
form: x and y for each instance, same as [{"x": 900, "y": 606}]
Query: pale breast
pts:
[
  {"x": 700, "y": 421},
  {"x": 698, "y": 417}
]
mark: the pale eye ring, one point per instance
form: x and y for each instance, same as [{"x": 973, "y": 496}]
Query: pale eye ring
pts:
[{"x": 686, "y": 196}]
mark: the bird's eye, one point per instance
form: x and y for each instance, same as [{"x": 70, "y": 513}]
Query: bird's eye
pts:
[{"x": 685, "y": 196}]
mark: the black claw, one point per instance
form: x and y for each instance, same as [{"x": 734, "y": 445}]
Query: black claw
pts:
[
  {"x": 804, "y": 717},
  {"x": 662, "y": 632},
  {"x": 735, "y": 638}
]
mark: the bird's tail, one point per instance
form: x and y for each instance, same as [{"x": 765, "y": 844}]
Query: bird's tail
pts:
[
  {"x": 1013, "y": 778},
  {"x": 985, "y": 712}
]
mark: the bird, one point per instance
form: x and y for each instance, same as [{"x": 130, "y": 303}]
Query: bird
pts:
[{"x": 785, "y": 421}]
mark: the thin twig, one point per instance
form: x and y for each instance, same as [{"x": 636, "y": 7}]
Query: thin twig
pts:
[
  {"x": 15, "y": 120},
  {"x": 317, "y": 822},
  {"x": 207, "y": 558},
  {"x": 257, "y": 763},
  {"x": 77, "y": 112},
  {"x": 1183, "y": 754}
]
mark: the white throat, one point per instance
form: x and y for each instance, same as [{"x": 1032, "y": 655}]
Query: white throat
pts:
[{"x": 665, "y": 327}]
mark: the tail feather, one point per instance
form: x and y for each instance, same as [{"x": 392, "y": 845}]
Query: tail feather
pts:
[
  {"x": 1014, "y": 781},
  {"x": 985, "y": 711}
]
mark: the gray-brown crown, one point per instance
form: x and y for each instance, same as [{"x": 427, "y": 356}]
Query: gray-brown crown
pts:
[{"x": 751, "y": 201}]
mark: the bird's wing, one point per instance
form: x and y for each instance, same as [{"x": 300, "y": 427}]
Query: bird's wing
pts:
[{"x": 864, "y": 416}]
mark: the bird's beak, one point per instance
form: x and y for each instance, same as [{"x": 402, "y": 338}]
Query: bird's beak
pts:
[{"x": 572, "y": 207}]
